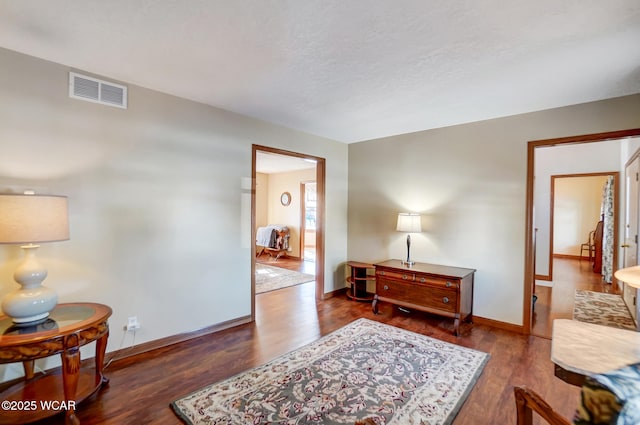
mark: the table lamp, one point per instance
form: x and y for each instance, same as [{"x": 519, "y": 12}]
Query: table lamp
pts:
[
  {"x": 30, "y": 219},
  {"x": 410, "y": 223}
]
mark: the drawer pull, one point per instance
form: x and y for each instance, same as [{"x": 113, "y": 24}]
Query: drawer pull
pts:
[
  {"x": 382, "y": 273},
  {"x": 423, "y": 280},
  {"x": 445, "y": 300},
  {"x": 404, "y": 276},
  {"x": 448, "y": 284},
  {"x": 386, "y": 288}
]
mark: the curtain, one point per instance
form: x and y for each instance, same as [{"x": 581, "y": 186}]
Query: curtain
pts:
[{"x": 607, "y": 212}]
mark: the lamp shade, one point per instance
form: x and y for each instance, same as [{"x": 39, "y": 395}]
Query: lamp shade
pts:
[
  {"x": 33, "y": 218},
  {"x": 629, "y": 275},
  {"x": 409, "y": 222}
]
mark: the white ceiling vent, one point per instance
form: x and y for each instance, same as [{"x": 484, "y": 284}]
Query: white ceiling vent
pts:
[{"x": 93, "y": 90}]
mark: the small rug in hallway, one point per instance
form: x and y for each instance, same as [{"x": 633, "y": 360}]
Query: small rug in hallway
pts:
[
  {"x": 363, "y": 370},
  {"x": 602, "y": 309},
  {"x": 270, "y": 278}
]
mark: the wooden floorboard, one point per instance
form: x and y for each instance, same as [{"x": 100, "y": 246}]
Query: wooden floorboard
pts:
[
  {"x": 142, "y": 387},
  {"x": 557, "y": 303},
  {"x": 288, "y": 263}
]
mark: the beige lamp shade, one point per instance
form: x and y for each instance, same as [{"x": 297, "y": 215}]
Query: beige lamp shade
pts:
[
  {"x": 33, "y": 218},
  {"x": 29, "y": 220},
  {"x": 629, "y": 275},
  {"x": 409, "y": 222}
]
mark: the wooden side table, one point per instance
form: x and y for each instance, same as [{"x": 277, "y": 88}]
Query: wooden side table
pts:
[
  {"x": 358, "y": 281},
  {"x": 68, "y": 327}
]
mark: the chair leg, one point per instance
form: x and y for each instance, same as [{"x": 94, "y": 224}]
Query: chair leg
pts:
[
  {"x": 523, "y": 412},
  {"x": 528, "y": 401}
]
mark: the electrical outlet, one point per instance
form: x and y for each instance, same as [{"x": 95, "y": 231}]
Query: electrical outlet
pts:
[{"x": 132, "y": 324}]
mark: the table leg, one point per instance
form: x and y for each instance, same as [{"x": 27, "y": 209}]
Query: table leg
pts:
[
  {"x": 374, "y": 305},
  {"x": 70, "y": 375},
  {"x": 101, "y": 347},
  {"x": 28, "y": 366}
]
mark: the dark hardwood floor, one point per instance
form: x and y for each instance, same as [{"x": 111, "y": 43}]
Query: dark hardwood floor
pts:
[
  {"x": 142, "y": 387},
  {"x": 288, "y": 263},
  {"x": 557, "y": 302}
]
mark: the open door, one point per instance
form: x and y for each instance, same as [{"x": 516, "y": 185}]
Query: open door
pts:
[{"x": 630, "y": 245}]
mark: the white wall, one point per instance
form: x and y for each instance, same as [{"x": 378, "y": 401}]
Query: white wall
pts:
[
  {"x": 159, "y": 198},
  {"x": 469, "y": 182},
  {"x": 628, "y": 148}
]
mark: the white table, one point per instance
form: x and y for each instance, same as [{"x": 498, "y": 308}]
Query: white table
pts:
[{"x": 579, "y": 349}]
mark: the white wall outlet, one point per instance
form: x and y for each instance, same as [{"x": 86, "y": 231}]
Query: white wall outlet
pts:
[{"x": 132, "y": 324}]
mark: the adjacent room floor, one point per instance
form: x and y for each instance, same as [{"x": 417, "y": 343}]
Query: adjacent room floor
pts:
[
  {"x": 557, "y": 302},
  {"x": 288, "y": 263}
]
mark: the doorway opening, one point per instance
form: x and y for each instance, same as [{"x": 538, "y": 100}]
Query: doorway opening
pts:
[
  {"x": 576, "y": 209},
  {"x": 532, "y": 236},
  {"x": 576, "y": 245},
  {"x": 279, "y": 209}
]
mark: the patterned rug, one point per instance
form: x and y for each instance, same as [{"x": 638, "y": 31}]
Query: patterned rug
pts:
[
  {"x": 270, "y": 278},
  {"x": 602, "y": 309},
  {"x": 363, "y": 370}
]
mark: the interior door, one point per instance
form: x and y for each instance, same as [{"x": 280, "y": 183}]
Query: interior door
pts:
[{"x": 630, "y": 245}]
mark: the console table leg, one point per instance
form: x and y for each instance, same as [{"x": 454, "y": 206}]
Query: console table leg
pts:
[
  {"x": 70, "y": 375},
  {"x": 101, "y": 348},
  {"x": 28, "y": 366},
  {"x": 456, "y": 327},
  {"x": 374, "y": 305}
]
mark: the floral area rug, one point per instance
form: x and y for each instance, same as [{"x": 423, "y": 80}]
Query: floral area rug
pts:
[
  {"x": 270, "y": 278},
  {"x": 363, "y": 370},
  {"x": 602, "y": 309}
]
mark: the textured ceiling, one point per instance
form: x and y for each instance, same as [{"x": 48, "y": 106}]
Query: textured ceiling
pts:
[{"x": 349, "y": 70}]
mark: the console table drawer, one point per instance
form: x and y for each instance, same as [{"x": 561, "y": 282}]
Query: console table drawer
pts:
[
  {"x": 410, "y": 277},
  {"x": 437, "y": 298},
  {"x": 444, "y": 283}
]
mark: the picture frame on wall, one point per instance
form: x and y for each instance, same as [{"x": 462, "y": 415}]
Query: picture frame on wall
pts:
[{"x": 285, "y": 198}]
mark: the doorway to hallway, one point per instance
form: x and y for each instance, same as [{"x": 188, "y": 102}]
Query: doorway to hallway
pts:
[{"x": 556, "y": 301}]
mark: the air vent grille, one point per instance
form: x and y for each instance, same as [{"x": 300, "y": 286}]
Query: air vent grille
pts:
[{"x": 99, "y": 91}]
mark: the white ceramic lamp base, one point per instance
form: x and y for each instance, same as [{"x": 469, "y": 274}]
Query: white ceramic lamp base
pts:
[{"x": 32, "y": 302}]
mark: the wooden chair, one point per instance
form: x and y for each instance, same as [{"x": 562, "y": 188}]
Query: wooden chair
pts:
[
  {"x": 606, "y": 398},
  {"x": 589, "y": 246},
  {"x": 597, "y": 250},
  {"x": 528, "y": 401}
]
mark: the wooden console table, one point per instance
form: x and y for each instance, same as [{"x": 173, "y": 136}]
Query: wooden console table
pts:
[
  {"x": 443, "y": 290},
  {"x": 579, "y": 349},
  {"x": 68, "y": 327}
]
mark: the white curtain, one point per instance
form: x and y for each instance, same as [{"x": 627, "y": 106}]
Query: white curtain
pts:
[{"x": 607, "y": 211}]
